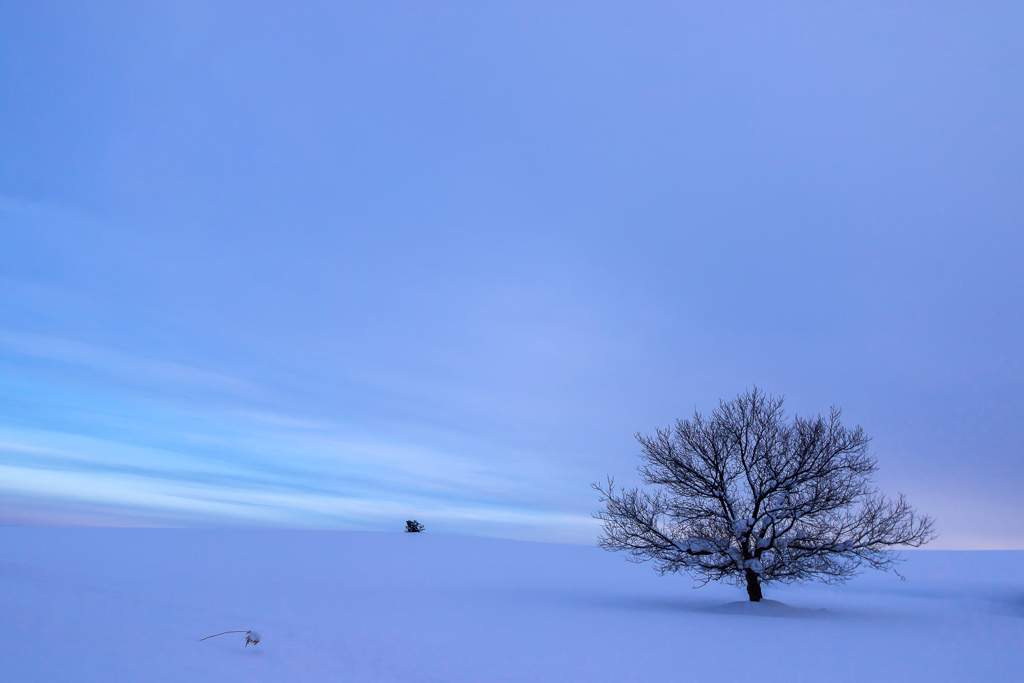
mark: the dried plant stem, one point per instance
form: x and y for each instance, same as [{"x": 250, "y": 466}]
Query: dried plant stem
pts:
[{"x": 220, "y": 634}]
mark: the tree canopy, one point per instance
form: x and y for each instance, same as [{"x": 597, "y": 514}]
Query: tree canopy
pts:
[{"x": 747, "y": 496}]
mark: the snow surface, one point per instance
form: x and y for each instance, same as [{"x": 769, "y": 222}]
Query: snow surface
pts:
[{"x": 131, "y": 605}]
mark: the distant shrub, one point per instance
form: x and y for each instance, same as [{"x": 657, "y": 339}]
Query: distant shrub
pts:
[{"x": 413, "y": 527}]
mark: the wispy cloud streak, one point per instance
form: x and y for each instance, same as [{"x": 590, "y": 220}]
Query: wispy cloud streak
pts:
[{"x": 121, "y": 461}]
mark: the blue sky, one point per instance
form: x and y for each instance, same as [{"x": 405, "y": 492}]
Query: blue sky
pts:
[{"x": 338, "y": 265}]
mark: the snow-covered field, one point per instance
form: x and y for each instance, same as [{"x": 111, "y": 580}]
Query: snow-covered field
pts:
[{"x": 131, "y": 605}]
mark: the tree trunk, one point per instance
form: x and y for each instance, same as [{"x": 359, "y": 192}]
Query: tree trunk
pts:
[{"x": 753, "y": 586}]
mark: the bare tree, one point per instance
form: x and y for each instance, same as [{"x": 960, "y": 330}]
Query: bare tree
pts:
[{"x": 749, "y": 497}]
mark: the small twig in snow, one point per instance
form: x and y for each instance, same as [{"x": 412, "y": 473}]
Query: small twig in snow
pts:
[{"x": 250, "y": 636}]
